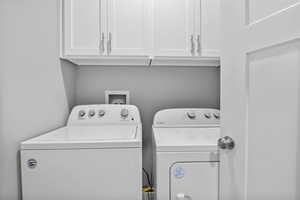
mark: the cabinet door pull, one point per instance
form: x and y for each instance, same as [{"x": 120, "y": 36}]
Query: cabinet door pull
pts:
[
  {"x": 199, "y": 45},
  {"x": 102, "y": 46},
  {"x": 109, "y": 43},
  {"x": 192, "y": 45}
]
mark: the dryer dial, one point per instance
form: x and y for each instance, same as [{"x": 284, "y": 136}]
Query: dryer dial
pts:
[
  {"x": 207, "y": 115},
  {"x": 217, "y": 115}
]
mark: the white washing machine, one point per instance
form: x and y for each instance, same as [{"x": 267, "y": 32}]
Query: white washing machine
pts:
[
  {"x": 98, "y": 155},
  {"x": 186, "y": 158}
]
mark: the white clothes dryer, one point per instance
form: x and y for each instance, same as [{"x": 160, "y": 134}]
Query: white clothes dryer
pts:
[{"x": 186, "y": 158}]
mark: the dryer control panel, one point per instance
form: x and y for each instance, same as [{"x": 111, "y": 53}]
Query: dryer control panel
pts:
[
  {"x": 104, "y": 113},
  {"x": 187, "y": 117}
]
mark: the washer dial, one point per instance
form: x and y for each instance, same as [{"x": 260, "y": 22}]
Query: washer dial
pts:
[
  {"x": 101, "y": 113},
  {"x": 81, "y": 113},
  {"x": 191, "y": 115},
  {"x": 92, "y": 113},
  {"x": 124, "y": 113}
]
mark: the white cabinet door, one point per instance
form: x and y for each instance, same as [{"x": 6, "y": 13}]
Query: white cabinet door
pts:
[
  {"x": 127, "y": 27},
  {"x": 82, "y": 27},
  {"x": 140, "y": 27},
  {"x": 174, "y": 27},
  {"x": 208, "y": 28},
  {"x": 260, "y": 97}
]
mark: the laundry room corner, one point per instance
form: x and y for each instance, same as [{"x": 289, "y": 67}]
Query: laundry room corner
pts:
[
  {"x": 151, "y": 89},
  {"x": 69, "y": 74}
]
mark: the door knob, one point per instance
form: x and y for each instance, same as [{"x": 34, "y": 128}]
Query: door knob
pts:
[{"x": 226, "y": 143}]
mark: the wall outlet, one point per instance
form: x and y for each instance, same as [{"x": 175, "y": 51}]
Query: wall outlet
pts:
[{"x": 116, "y": 97}]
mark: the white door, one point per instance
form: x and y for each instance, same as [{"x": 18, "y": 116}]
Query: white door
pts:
[
  {"x": 174, "y": 27},
  {"x": 128, "y": 27},
  {"x": 83, "y": 28},
  {"x": 260, "y": 100},
  {"x": 207, "y": 35}
]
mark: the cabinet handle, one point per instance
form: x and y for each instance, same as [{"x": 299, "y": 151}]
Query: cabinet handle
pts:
[
  {"x": 199, "y": 45},
  {"x": 109, "y": 43},
  {"x": 102, "y": 47},
  {"x": 192, "y": 45}
]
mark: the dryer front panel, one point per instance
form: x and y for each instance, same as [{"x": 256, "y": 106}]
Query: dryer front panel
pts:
[{"x": 194, "y": 181}]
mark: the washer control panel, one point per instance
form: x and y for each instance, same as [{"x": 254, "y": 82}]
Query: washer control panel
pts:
[
  {"x": 104, "y": 113},
  {"x": 187, "y": 116}
]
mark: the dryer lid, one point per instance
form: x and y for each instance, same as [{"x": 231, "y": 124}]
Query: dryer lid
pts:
[
  {"x": 105, "y": 136},
  {"x": 186, "y": 139}
]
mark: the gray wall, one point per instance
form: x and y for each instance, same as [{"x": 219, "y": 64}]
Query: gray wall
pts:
[
  {"x": 151, "y": 89},
  {"x": 32, "y": 93}
]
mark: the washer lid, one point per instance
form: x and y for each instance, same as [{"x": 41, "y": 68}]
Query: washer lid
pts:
[
  {"x": 106, "y": 136},
  {"x": 186, "y": 139}
]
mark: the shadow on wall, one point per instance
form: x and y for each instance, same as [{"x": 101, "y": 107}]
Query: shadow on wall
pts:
[{"x": 68, "y": 70}]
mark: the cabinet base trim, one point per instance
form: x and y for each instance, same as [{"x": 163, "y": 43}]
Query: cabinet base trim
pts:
[
  {"x": 157, "y": 61},
  {"x": 186, "y": 61}
]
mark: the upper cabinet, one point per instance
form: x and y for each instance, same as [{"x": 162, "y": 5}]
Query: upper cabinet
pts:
[
  {"x": 209, "y": 28},
  {"x": 105, "y": 27},
  {"x": 186, "y": 27},
  {"x": 137, "y": 30},
  {"x": 174, "y": 25},
  {"x": 127, "y": 27},
  {"x": 82, "y": 27}
]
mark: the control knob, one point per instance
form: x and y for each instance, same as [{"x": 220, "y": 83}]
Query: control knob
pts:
[
  {"x": 91, "y": 113},
  {"x": 217, "y": 115},
  {"x": 207, "y": 115},
  {"x": 124, "y": 113},
  {"x": 81, "y": 113},
  {"x": 101, "y": 113},
  {"x": 191, "y": 115}
]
